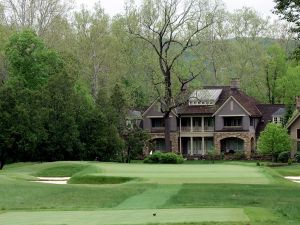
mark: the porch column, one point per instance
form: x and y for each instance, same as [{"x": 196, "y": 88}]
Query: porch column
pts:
[
  {"x": 192, "y": 146},
  {"x": 180, "y": 124},
  {"x": 203, "y": 146},
  {"x": 192, "y": 124},
  {"x": 202, "y": 124},
  {"x": 180, "y": 144}
]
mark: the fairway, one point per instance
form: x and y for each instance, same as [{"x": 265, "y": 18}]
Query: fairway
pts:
[{"x": 115, "y": 217}]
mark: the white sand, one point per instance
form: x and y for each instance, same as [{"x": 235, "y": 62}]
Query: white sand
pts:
[
  {"x": 294, "y": 179},
  {"x": 52, "y": 180}
]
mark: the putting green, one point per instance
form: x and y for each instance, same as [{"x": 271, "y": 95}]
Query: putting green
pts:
[
  {"x": 179, "y": 174},
  {"x": 113, "y": 217}
]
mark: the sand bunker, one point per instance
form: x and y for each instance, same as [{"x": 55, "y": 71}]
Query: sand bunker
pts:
[
  {"x": 52, "y": 180},
  {"x": 294, "y": 179}
]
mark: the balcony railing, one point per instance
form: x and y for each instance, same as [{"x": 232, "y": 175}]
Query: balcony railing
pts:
[{"x": 197, "y": 129}]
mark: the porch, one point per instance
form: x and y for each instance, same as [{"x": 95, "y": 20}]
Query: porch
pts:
[
  {"x": 190, "y": 146},
  {"x": 196, "y": 124}
]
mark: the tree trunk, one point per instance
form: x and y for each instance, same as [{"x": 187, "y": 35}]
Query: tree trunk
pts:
[
  {"x": 167, "y": 133},
  {"x": 1, "y": 164}
]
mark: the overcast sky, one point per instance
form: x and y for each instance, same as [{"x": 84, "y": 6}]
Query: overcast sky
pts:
[{"x": 113, "y": 7}]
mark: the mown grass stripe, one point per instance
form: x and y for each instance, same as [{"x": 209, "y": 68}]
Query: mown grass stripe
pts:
[
  {"x": 152, "y": 198},
  {"x": 123, "y": 217}
]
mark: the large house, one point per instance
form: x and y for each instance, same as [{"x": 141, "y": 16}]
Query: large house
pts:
[
  {"x": 294, "y": 127},
  {"x": 222, "y": 118}
]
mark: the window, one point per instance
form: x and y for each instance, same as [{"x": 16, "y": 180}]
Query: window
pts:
[
  {"x": 197, "y": 122},
  {"x": 278, "y": 119},
  {"x": 233, "y": 121},
  {"x": 157, "y": 122},
  {"x": 160, "y": 145},
  {"x": 251, "y": 122},
  {"x": 298, "y": 133},
  {"x": 208, "y": 122}
]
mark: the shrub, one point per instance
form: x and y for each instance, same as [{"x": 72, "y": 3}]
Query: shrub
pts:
[
  {"x": 166, "y": 158},
  {"x": 171, "y": 158},
  {"x": 297, "y": 158},
  {"x": 284, "y": 156},
  {"x": 238, "y": 156},
  {"x": 290, "y": 161}
]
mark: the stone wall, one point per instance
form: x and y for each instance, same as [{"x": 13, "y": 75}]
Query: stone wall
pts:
[
  {"x": 245, "y": 136},
  {"x": 173, "y": 137}
]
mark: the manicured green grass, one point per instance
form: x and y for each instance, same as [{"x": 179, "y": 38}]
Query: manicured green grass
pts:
[
  {"x": 118, "y": 217},
  {"x": 182, "y": 192},
  {"x": 179, "y": 174},
  {"x": 292, "y": 170}
]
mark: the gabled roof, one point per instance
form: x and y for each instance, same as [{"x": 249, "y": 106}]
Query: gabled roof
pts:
[
  {"x": 280, "y": 112},
  {"x": 268, "y": 111},
  {"x": 231, "y": 97},
  {"x": 174, "y": 111},
  {"x": 294, "y": 117},
  {"x": 247, "y": 102}
]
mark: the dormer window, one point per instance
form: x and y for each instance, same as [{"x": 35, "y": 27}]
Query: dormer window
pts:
[{"x": 277, "y": 120}]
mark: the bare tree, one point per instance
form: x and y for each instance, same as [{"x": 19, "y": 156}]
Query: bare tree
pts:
[
  {"x": 36, "y": 14},
  {"x": 171, "y": 28}
]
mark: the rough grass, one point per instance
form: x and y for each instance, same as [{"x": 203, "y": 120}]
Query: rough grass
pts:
[
  {"x": 97, "y": 179},
  {"x": 292, "y": 170},
  {"x": 61, "y": 170}
]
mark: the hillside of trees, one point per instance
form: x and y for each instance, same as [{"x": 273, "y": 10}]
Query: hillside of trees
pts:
[{"x": 70, "y": 76}]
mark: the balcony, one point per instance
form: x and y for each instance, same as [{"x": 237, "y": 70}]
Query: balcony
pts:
[{"x": 196, "y": 124}]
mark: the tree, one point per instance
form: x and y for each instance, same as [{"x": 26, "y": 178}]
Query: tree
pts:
[
  {"x": 30, "y": 61},
  {"x": 274, "y": 140},
  {"x": 289, "y": 10},
  {"x": 135, "y": 142},
  {"x": 171, "y": 28},
  {"x": 274, "y": 69},
  {"x": 34, "y": 14},
  {"x": 93, "y": 41}
]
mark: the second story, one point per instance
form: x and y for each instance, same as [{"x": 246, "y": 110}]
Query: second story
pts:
[
  {"x": 221, "y": 108},
  {"x": 215, "y": 109}
]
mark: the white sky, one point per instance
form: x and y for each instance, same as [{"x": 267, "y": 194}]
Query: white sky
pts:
[{"x": 112, "y": 7}]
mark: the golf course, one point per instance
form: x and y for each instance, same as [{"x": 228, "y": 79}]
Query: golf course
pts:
[{"x": 223, "y": 193}]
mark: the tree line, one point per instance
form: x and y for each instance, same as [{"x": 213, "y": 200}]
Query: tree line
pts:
[{"x": 70, "y": 76}]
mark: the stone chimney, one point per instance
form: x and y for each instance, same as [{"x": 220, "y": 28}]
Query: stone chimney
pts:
[
  {"x": 235, "y": 84},
  {"x": 298, "y": 102}
]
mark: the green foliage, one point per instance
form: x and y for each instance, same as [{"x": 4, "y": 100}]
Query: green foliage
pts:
[
  {"x": 30, "y": 61},
  {"x": 297, "y": 158},
  {"x": 171, "y": 158},
  {"x": 154, "y": 158},
  {"x": 274, "y": 140},
  {"x": 284, "y": 156},
  {"x": 47, "y": 114},
  {"x": 135, "y": 140},
  {"x": 164, "y": 158}
]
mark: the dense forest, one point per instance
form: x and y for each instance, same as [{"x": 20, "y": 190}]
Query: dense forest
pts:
[{"x": 69, "y": 76}]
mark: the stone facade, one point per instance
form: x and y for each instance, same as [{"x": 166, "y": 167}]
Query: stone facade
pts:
[
  {"x": 173, "y": 137},
  {"x": 247, "y": 137}
]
